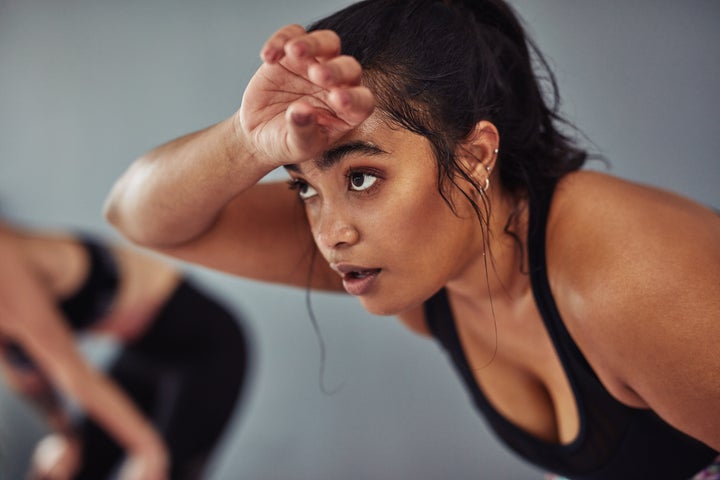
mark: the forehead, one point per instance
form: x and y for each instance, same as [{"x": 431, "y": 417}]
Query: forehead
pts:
[{"x": 375, "y": 137}]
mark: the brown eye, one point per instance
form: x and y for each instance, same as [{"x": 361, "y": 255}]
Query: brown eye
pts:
[
  {"x": 303, "y": 189},
  {"x": 306, "y": 191},
  {"x": 360, "y": 181}
]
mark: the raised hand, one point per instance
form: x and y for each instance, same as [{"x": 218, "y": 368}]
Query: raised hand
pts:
[
  {"x": 149, "y": 464},
  {"x": 304, "y": 97}
]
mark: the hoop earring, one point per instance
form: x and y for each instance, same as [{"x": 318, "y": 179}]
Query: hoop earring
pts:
[{"x": 488, "y": 169}]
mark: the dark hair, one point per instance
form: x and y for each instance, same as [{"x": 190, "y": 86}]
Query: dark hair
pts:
[{"x": 437, "y": 68}]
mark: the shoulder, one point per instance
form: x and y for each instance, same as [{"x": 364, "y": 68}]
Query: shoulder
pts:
[
  {"x": 635, "y": 272},
  {"x": 599, "y": 223}
]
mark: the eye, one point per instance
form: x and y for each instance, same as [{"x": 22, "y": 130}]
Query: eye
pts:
[
  {"x": 303, "y": 189},
  {"x": 361, "y": 181}
]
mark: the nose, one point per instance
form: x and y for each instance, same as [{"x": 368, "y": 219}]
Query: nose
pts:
[{"x": 335, "y": 230}]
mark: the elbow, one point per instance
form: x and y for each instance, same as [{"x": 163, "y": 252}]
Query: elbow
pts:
[
  {"x": 112, "y": 210},
  {"x": 123, "y": 210},
  {"x": 137, "y": 223},
  {"x": 135, "y": 234}
]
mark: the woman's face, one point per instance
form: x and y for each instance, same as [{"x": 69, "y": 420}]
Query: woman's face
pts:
[{"x": 378, "y": 219}]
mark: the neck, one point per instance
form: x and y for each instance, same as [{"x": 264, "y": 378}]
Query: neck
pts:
[{"x": 497, "y": 273}]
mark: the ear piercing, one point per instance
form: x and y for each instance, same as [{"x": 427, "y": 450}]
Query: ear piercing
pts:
[{"x": 488, "y": 169}]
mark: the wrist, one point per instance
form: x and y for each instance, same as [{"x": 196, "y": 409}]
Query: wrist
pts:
[
  {"x": 246, "y": 156},
  {"x": 150, "y": 442}
]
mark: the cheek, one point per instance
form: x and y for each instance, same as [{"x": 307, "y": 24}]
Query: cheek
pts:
[
  {"x": 421, "y": 229},
  {"x": 310, "y": 215},
  {"x": 313, "y": 216},
  {"x": 418, "y": 242}
]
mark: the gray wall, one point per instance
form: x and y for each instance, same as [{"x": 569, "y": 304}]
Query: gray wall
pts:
[{"x": 86, "y": 86}]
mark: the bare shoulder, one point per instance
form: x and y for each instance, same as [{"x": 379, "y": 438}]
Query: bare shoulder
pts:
[
  {"x": 635, "y": 272},
  {"x": 622, "y": 199},
  {"x": 598, "y": 223}
]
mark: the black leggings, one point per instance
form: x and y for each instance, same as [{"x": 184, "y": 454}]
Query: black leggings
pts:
[{"x": 186, "y": 374}]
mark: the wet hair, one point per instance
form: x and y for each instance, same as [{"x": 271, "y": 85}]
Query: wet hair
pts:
[{"x": 437, "y": 68}]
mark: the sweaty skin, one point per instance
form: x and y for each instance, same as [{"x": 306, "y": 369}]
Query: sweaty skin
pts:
[{"x": 634, "y": 270}]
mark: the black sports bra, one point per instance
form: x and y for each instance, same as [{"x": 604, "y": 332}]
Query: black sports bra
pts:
[
  {"x": 87, "y": 305},
  {"x": 614, "y": 441},
  {"x": 94, "y": 299}
]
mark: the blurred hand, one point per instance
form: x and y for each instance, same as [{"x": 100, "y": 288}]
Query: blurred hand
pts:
[
  {"x": 303, "y": 98},
  {"x": 56, "y": 457},
  {"x": 149, "y": 464}
]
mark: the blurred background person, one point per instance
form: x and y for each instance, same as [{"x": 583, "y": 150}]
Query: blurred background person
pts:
[{"x": 164, "y": 403}]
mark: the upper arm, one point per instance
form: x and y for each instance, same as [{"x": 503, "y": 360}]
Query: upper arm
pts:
[
  {"x": 262, "y": 234},
  {"x": 665, "y": 343},
  {"x": 640, "y": 293}
]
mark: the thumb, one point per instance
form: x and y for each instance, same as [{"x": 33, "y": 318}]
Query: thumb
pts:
[{"x": 304, "y": 136}]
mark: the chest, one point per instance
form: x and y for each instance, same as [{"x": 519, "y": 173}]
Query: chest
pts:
[{"x": 513, "y": 361}]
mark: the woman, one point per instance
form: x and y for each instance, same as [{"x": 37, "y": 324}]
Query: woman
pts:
[
  {"x": 435, "y": 184},
  {"x": 171, "y": 390}
]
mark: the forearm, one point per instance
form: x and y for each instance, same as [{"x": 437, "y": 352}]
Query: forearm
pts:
[
  {"x": 49, "y": 404},
  {"x": 38, "y": 392},
  {"x": 175, "y": 192},
  {"x": 100, "y": 399}
]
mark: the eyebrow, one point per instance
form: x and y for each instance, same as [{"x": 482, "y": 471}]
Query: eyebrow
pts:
[{"x": 332, "y": 156}]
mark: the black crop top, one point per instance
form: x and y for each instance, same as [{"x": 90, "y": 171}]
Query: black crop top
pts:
[
  {"x": 614, "y": 441},
  {"x": 94, "y": 299},
  {"x": 88, "y": 304}
]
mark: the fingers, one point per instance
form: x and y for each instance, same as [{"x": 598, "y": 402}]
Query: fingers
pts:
[
  {"x": 292, "y": 41},
  {"x": 352, "y": 105},
  {"x": 307, "y": 131},
  {"x": 320, "y": 89},
  {"x": 342, "y": 70},
  {"x": 274, "y": 48},
  {"x": 317, "y": 44},
  {"x": 303, "y": 133},
  {"x": 316, "y": 55}
]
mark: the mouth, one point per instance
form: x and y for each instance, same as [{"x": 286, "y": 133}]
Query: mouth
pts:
[
  {"x": 359, "y": 274},
  {"x": 357, "y": 280}
]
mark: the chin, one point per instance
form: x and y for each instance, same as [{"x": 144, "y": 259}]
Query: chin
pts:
[{"x": 379, "y": 307}]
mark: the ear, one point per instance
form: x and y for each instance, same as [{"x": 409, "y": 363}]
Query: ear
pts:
[{"x": 478, "y": 153}]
